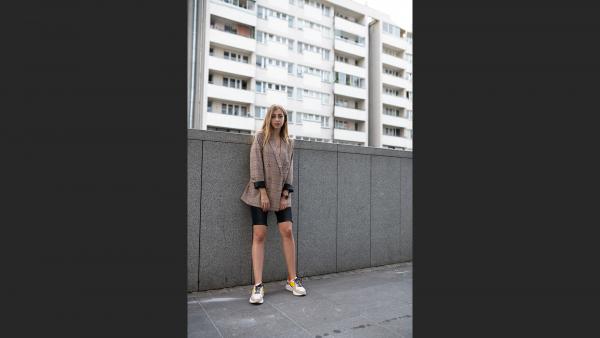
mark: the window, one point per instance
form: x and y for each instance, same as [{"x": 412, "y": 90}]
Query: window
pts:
[
  {"x": 260, "y": 13},
  {"x": 390, "y": 131},
  {"x": 391, "y": 91},
  {"x": 349, "y": 80},
  {"x": 210, "y": 78},
  {"x": 211, "y": 51},
  {"x": 260, "y": 112},
  {"x": 209, "y": 106},
  {"x": 260, "y": 87}
]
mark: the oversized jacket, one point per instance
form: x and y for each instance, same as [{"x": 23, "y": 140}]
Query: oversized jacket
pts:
[{"x": 269, "y": 171}]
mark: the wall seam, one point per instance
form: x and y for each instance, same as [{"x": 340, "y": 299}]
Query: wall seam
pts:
[
  {"x": 298, "y": 216},
  {"x": 337, "y": 198},
  {"x": 200, "y": 213},
  {"x": 370, "y": 208}
]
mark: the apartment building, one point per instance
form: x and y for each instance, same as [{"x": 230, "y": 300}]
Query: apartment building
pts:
[{"x": 325, "y": 61}]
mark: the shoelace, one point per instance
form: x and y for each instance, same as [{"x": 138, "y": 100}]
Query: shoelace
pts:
[
  {"x": 257, "y": 288},
  {"x": 298, "y": 281}
]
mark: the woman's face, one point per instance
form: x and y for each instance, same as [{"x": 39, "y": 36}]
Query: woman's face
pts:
[{"x": 277, "y": 119}]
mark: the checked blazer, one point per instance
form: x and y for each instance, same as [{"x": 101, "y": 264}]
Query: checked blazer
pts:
[{"x": 269, "y": 171}]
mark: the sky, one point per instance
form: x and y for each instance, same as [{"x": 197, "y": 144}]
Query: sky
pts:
[{"x": 398, "y": 10}]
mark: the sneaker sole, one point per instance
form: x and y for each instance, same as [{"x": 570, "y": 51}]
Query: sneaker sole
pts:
[
  {"x": 257, "y": 302},
  {"x": 289, "y": 288}
]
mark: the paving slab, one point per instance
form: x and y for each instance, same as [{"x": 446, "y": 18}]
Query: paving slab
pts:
[{"x": 371, "y": 302}]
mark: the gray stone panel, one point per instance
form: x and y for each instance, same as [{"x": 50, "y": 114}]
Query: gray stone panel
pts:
[
  {"x": 274, "y": 267},
  {"x": 385, "y": 210},
  {"x": 193, "y": 226},
  {"x": 317, "y": 219},
  {"x": 307, "y": 145},
  {"x": 406, "y": 209},
  {"x": 225, "y": 227},
  {"x": 219, "y": 136},
  {"x": 390, "y": 152},
  {"x": 354, "y": 212}
]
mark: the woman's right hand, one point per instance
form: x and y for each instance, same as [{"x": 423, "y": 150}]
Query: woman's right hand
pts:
[{"x": 264, "y": 200}]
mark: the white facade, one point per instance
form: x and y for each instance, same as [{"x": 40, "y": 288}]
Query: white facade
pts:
[{"x": 314, "y": 58}]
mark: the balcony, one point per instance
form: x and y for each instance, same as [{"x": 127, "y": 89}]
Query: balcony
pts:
[
  {"x": 273, "y": 25},
  {"x": 349, "y": 47},
  {"x": 232, "y": 40},
  {"x": 231, "y": 67},
  {"x": 272, "y": 74},
  {"x": 395, "y": 121},
  {"x": 350, "y": 135},
  {"x": 349, "y": 26},
  {"x": 396, "y": 141},
  {"x": 396, "y": 62},
  {"x": 234, "y": 12},
  {"x": 349, "y": 113},
  {"x": 229, "y": 94},
  {"x": 230, "y": 121},
  {"x": 344, "y": 90},
  {"x": 349, "y": 69},
  {"x": 396, "y": 81},
  {"x": 398, "y": 101},
  {"x": 397, "y": 42}
]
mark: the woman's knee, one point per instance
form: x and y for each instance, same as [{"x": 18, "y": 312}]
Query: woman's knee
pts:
[
  {"x": 286, "y": 231},
  {"x": 259, "y": 236}
]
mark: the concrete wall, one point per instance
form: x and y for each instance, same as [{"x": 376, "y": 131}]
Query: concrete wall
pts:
[{"x": 352, "y": 209}]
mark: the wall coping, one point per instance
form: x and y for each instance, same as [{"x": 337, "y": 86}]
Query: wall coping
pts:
[{"x": 220, "y": 136}]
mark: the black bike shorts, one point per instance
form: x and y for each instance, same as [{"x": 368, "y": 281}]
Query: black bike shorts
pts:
[{"x": 260, "y": 217}]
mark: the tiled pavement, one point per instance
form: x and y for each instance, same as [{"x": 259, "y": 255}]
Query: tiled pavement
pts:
[{"x": 372, "y": 302}]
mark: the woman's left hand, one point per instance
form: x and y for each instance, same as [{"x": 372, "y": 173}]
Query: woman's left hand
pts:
[{"x": 282, "y": 203}]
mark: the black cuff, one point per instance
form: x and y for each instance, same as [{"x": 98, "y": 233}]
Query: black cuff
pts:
[
  {"x": 259, "y": 184},
  {"x": 288, "y": 187}
]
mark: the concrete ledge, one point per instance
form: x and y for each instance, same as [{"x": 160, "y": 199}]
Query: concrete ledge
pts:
[{"x": 219, "y": 136}]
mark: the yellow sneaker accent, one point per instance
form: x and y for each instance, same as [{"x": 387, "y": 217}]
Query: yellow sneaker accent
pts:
[{"x": 292, "y": 283}]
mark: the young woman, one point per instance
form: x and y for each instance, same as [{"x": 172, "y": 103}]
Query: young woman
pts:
[{"x": 271, "y": 176}]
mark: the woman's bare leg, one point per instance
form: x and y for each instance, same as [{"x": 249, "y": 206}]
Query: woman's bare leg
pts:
[
  {"x": 289, "y": 247},
  {"x": 259, "y": 234}
]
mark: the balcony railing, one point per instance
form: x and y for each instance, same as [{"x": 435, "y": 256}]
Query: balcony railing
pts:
[
  {"x": 245, "y": 4},
  {"x": 361, "y": 44},
  {"x": 234, "y": 32}
]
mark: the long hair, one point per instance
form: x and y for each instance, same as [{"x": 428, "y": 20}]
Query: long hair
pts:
[{"x": 267, "y": 129}]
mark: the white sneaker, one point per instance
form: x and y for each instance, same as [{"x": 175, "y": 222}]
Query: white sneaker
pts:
[
  {"x": 257, "y": 294},
  {"x": 296, "y": 287}
]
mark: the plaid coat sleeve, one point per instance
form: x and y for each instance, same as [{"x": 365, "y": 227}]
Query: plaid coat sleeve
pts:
[
  {"x": 257, "y": 169},
  {"x": 290, "y": 176}
]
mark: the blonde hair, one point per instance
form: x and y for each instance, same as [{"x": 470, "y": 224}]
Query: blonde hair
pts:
[{"x": 267, "y": 128}]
